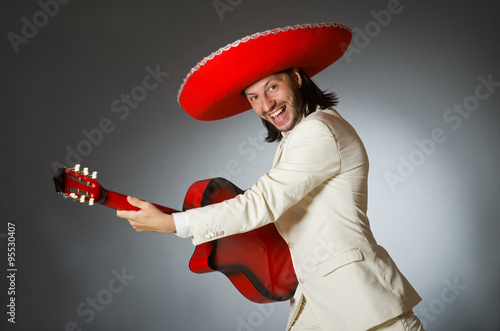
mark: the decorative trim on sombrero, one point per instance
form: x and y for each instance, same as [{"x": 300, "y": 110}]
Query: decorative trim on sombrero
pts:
[{"x": 255, "y": 36}]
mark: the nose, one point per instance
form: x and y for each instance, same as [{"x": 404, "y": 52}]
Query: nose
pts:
[{"x": 267, "y": 103}]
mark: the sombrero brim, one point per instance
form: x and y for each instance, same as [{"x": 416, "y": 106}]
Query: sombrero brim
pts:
[{"x": 212, "y": 89}]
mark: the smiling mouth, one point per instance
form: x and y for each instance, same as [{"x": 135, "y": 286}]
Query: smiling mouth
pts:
[{"x": 279, "y": 114}]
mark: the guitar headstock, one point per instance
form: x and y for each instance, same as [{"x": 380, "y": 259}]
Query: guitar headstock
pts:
[{"x": 78, "y": 184}]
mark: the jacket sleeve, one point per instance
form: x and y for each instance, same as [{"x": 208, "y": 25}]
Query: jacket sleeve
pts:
[{"x": 311, "y": 157}]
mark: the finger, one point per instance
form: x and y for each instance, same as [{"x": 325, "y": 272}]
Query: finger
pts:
[
  {"x": 137, "y": 202},
  {"x": 135, "y": 227},
  {"x": 128, "y": 214}
]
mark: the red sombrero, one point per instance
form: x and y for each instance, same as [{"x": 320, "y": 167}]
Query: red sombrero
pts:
[{"x": 212, "y": 89}]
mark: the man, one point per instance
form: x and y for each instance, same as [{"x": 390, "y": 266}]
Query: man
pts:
[{"x": 316, "y": 191}]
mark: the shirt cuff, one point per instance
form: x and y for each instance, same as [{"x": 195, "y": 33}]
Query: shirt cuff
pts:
[{"x": 182, "y": 226}]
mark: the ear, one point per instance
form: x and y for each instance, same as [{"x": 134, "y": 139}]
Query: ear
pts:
[{"x": 297, "y": 77}]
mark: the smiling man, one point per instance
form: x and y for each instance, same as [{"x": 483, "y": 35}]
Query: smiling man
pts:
[
  {"x": 276, "y": 99},
  {"x": 316, "y": 190}
]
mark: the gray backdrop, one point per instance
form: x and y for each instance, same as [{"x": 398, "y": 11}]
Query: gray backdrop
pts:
[{"x": 420, "y": 83}]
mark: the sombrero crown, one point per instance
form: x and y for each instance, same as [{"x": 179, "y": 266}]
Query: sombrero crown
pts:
[{"x": 212, "y": 89}]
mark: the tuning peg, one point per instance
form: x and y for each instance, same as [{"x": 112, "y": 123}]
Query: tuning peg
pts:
[
  {"x": 91, "y": 201},
  {"x": 76, "y": 168},
  {"x": 82, "y": 199},
  {"x": 73, "y": 196},
  {"x": 94, "y": 175},
  {"x": 85, "y": 171}
]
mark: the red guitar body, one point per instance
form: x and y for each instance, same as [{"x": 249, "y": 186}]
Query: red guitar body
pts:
[{"x": 257, "y": 262}]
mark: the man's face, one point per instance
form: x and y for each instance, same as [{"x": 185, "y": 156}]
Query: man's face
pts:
[{"x": 276, "y": 99}]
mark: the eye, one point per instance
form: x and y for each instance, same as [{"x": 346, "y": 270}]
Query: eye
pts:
[
  {"x": 273, "y": 88},
  {"x": 252, "y": 98}
]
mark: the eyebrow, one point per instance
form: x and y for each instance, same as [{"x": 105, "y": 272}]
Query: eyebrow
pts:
[{"x": 265, "y": 85}]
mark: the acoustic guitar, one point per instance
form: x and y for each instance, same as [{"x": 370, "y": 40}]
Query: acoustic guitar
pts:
[{"x": 257, "y": 262}]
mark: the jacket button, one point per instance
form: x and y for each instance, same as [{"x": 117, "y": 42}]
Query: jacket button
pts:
[
  {"x": 290, "y": 245},
  {"x": 301, "y": 280}
]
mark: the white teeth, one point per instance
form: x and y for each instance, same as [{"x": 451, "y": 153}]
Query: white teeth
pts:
[{"x": 279, "y": 111}]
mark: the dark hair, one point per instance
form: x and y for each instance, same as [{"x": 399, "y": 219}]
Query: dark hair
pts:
[{"x": 312, "y": 97}]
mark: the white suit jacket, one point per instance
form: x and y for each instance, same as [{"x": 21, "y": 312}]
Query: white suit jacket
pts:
[{"x": 316, "y": 194}]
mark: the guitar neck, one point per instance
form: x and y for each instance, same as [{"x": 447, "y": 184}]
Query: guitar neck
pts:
[{"x": 119, "y": 201}]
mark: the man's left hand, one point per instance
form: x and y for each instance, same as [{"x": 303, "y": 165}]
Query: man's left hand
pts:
[{"x": 148, "y": 218}]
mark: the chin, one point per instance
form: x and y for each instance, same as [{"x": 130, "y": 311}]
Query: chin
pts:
[{"x": 284, "y": 128}]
